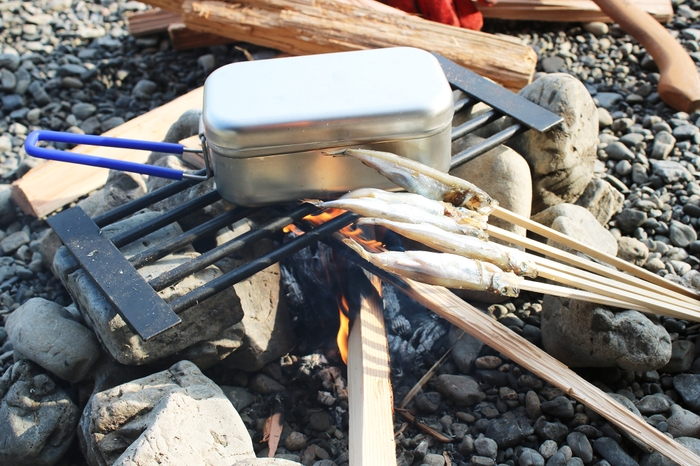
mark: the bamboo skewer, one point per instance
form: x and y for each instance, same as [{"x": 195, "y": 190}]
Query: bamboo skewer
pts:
[
  {"x": 575, "y": 275},
  {"x": 589, "y": 265},
  {"x": 561, "y": 238},
  {"x": 633, "y": 300},
  {"x": 581, "y": 295}
]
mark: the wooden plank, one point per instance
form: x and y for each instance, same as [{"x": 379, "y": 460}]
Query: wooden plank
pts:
[
  {"x": 153, "y": 21},
  {"x": 301, "y": 27},
  {"x": 567, "y": 10},
  {"x": 488, "y": 330},
  {"x": 184, "y": 38},
  {"x": 53, "y": 185},
  {"x": 371, "y": 432}
]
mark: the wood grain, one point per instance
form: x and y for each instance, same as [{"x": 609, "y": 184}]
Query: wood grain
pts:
[{"x": 371, "y": 434}]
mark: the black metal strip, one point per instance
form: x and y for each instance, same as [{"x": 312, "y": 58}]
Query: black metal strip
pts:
[
  {"x": 144, "y": 201},
  {"x": 178, "y": 273},
  {"x": 486, "y": 145},
  {"x": 499, "y": 98},
  {"x": 164, "y": 248},
  {"x": 261, "y": 263},
  {"x": 142, "y": 309},
  {"x": 475, "y": 123},
  {"x": 165, "y": 219}
]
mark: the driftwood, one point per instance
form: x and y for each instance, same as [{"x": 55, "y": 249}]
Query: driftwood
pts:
[
  {"x": 52, "y": 185},
  {"x": 568, "y": 10},
  {"x": 371, "y": 433},
  {"x": 303, "y": 27}
]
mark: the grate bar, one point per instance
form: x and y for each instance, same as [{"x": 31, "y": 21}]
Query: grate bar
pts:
[
  {"x": 486, "y": 145},
  {"x": 466, "y": 102},
  {"x": 178, "y": 273},
  {"x": 146, "y": 200},
  {"x": 251, "y": 268},
  {"x": 165, "y": 219},
  {"x": 173, "y": 244},
  {"x": 475, "y": 123},
  {"x": 497, "y": 97}
]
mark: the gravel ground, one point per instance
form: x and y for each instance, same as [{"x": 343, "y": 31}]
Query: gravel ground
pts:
[{"x": 71, "y": 66}]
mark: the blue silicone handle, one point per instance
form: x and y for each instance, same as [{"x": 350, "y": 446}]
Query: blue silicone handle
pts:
[{"x": 30, "y": 145}]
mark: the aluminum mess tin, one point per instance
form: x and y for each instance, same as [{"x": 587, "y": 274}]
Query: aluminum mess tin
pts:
[{"x": 269, "y": 125}]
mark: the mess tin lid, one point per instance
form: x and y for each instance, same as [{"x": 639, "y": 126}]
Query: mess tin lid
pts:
[{"x": 330, "y": 100}]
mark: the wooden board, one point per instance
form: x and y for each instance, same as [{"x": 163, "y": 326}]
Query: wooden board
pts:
[
  {"x": 53, "y": 185},
  {"x": 567, "y": 10},
  {"x": 371, "y": 432},
  {"x": 153, "y": 21}
]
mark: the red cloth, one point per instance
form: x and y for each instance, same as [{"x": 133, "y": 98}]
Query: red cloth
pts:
[{"x": 453, "y": 12}]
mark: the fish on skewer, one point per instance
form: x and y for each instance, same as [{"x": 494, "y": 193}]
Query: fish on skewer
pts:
[
  {"x": 369, "y": 207},
  {"x": 443, "y": 269},
  {"x": 508, "y": 259},
  {"x": 459, "y": 214},
  {"x": 418, "y": 178}
]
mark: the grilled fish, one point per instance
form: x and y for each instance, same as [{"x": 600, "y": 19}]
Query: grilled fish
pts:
[
  {"x": 449, "y": 270},
  {"x": 459, "y": 214},
  {"x": 418, "y": 178},
  {"x": 370, "y": 207},
  {"x": 508, "y": 259}
]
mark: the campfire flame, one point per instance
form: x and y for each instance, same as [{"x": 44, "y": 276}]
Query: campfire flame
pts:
[{"x": 343, "y": 306}]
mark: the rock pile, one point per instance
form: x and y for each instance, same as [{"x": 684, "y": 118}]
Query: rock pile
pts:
[{"x": 620, "y": 173}]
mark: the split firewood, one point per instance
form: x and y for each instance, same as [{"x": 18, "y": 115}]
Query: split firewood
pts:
[
  {"x": 371, "y": 431},
  {"x": 148, "y": 22},
  {"x": 300, "y": 27},
  {"x": 272, "y": 432},
  {"x": 568, "y": 10}
]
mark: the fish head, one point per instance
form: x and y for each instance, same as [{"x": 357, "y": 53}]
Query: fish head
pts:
[{"x": 506, "y": 284}]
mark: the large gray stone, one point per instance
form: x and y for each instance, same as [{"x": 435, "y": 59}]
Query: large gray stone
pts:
[
  {"x": 682, "y": 422},
  {"x": 175, "y": 417},
  {"x": 632, "y": 250},
  {"x": 266, "y": 327},
  {"x": 185, "y": 126},
  {"x": 49, "y": 335},
  {"x": 601, "y": 199},
  {"x": 121, "y": 187},
  {"x": 207, "y": 323},
  {"x": 503, "y": 174},
  {"x": 37, "y": 419},
  {"x": 580, "y": 224},
  {"x": 582, "y": 334},
  {"x": 561, "y": 159},
  {"x": 465, "y": 349}
]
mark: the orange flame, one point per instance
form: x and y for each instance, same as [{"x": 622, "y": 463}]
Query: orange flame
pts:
[
  {"x": 344, "y": 329},
  {"x": 356, "y": 234}
]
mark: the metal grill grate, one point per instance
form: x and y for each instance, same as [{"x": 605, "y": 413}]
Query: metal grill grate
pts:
[{"x": 127, "y": 290}]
